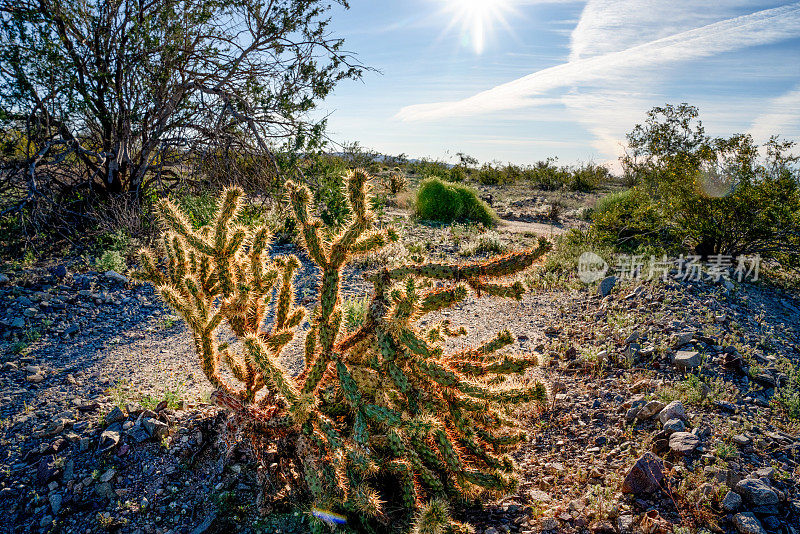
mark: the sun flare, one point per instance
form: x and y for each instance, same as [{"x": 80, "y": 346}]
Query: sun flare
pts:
[{"x": 476, "y": 19}]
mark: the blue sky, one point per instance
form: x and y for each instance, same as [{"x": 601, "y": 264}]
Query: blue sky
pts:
[{"x": 560, "y": 78}]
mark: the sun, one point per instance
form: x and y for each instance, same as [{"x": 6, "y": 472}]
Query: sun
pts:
[{"x": 476, "y": 19}]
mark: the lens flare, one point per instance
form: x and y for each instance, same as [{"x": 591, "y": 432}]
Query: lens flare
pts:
[
  {"x": 476, "y": 19},
  {"x": 328, "y": 517}
]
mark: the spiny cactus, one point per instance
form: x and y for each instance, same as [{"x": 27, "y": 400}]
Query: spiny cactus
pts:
[
  {"x": 380, "y": 418},
  {"x": 396, "y": 182}
]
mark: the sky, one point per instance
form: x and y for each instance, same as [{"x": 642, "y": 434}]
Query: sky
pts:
[{"x": 522, "y": 80}]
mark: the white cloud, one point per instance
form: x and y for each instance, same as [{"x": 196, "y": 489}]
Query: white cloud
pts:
[
  {"x": 781, "y": 117},
  {"x": 596, "y": 59}
]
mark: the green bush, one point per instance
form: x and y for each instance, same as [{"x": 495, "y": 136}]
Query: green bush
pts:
[
  {"x": 446, "y": 202},
  {"x": 718, "y": 194},
  {"x": 629, "y": 219},
  {"x": 111, "y": 260}
]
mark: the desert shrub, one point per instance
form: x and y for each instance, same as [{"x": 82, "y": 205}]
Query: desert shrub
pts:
[
  {"x": 629, "y": 219},
  {"x": 457, "y": 174},
  {"x": 490, "y": 175},
  {"x": 427, "y": 167},
  {"x": 111, "y": 260},
  {"x": 787, "y": 397},
  {"x": 396, "y": 182},
  {"x": 488, "y": 244},
  {"x": 330, "y": 196},
  {"x": 587, "y": 177},
  {"x": 381, "y": 423},
  {"x": 546, "y": 175},
  {"x": 447, "y": 202},
  {"x": 718, "y": 194}
]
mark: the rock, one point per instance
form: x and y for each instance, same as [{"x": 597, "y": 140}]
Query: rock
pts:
[
  {"x": 60, "y": 271},
  {"x": 687, "y": 359},
  {"x": 105, "y": 490},
  {"x": 742, "y": 441},
  {"x": 650, "y": 409},
  {"x": 625, "y": 523},
  {"x": 540, "y": 496},
  {"x": 756, "y": 492},
  {"x": 674, "y": 425},
  {"x": 731, "y": 502},
  {"x": 46, "y": 470},
  {"x": 115, "y": 416},
  {"x": 548, "y": 523},
  {"x": 116, "y": 277},
  {"x": 108, "y": 476},
  {"x": 606, "y": 285},
  {"x": 138, "y": 433},
  {"x": 35, "y": 379},
  {"x": 673, "y": 410},
  {"x": 746, "y": 523},
  {"x": 725, "y": 406},
  {"x": 55, "y": 503},
  {"x": 683, "y": 442},
  {"x": 680, "y": 339},
  {"x": 18, "y": 322},
  {"x": 156, "y": 428},
  {"x": 4, "y": 280},
  {"x": 645, "y": 476},
  {"x": 110, "y": 438}
]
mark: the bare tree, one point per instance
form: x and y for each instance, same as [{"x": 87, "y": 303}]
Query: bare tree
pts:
[{"x": 100, "y": 97}]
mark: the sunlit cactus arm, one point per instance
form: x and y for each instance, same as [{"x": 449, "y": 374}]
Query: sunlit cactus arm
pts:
[
  {"x": 514, "y": 290},
  {"x": 372, "y": 241},
  {"x": 442, "y": 298},
  {"x": 505, "y": 365},
  {"x": 176, "y": 221},
  {"x": 502, "y": 266},
  {"x": 300, "y": 197},
  {"x": 275, "y": 376}
]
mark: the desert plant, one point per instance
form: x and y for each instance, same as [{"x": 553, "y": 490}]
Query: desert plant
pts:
[
  {"x": 396, "y": 182},
  {"x": 442, "y": 201},
  {"x": 111, "y": 260},
  {"x": 379, "y": 415}
]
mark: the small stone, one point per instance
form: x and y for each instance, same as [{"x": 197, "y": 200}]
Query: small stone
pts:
[
  {"x": 105, "y": 490},
  {"x": 741, "y": 440},
  {"x": 115, "y": 416},
  {"x": 548, "y": 523},
  {"x": 683, "y": 442},
  {"x": 645, "y": 476},
  {"x": 156, "y": 428},
  {"x": 674, "y": 425},
  {"x": 108, "y": 475},
  {"x": 625, "y": 523},
  {"x": 109, "y": 438},
  {"x": 35, "y": 379},
  {"x": 673, "y": 410},
  {"x": 4, "y": 280},
  {"x": 650, "y": 409},
  {"x": 731, "y": 502},
  {"x": 116, "y": 277},
  {"x": 687, "y": 359},
  {"x": 746, "y": 523},
  {"x": 540, "y": 496},
  {"x": 55, "y": 503},
  {"x": 756, "y": 492},
  {"x": 607, "y": 285}
]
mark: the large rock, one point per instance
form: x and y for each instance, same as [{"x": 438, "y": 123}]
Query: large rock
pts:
[
  {"x": 683, "y": 442},
  {"x": 645, "y": 476},
  {"x": 110, "y": 437},
  {"x": 731, "y": 502},
  {"x": 756, "y": 492},
  {"x": 673, "y": 410},
  {"x": 687, "y": 359},
  {"x": 746, "y": 523}
]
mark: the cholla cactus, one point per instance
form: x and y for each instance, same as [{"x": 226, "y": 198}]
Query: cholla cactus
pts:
[
  {"x": 396, "y": 182},
  {"x": 378, "y": 415}
]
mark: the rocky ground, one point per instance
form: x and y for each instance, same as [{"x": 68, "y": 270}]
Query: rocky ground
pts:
[{"x": 664, "y": 409}]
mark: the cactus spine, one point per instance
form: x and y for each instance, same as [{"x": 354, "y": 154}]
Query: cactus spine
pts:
[{"x": 381, "y": 403}]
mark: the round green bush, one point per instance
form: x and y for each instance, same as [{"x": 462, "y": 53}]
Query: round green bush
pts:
[{"x": 442, "y": 201}]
